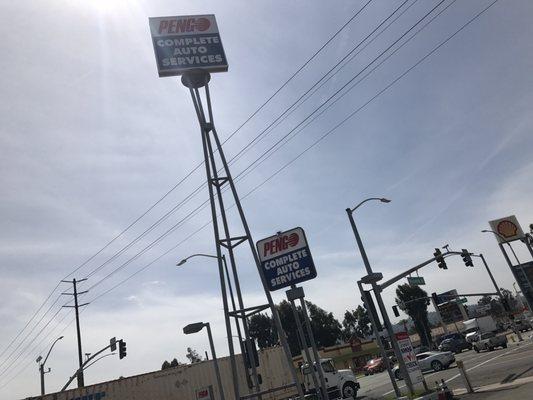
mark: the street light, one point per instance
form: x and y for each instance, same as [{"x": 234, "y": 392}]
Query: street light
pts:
[
  {"x": 197, "y": 327},
  {"x": 373, "y": 278},
  {"x": 223, "y": 257},
  {"x": 41, "y": 365}
]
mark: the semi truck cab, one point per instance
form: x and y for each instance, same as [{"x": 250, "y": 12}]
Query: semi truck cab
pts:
[{"x": 340, "y": 383}]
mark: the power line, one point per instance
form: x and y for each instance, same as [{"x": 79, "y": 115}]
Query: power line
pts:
[
  {"x": 338, "y": 125},
  {"x": 315, "y": 143},
  {"x": 271, "y": 149},
  {"x": 276, "y": 92}
]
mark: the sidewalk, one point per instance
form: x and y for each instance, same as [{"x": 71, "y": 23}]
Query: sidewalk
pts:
[{"x": 521, "y": 388}]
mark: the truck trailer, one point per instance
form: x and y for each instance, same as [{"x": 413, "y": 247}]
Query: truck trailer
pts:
[{"x": 190, "y": 382}]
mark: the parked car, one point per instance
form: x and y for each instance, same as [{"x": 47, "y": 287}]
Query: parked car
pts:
[
  {"x": 430, "y": 360},
  {"x": 454, "y": 335},
  {"x": 521, "y": 325},
  {"x": 489, "y": 341},
  {"x": 456, "y": 345},
  {"x": 421, "y": 349},
  {"x": 374, "y": 366}
]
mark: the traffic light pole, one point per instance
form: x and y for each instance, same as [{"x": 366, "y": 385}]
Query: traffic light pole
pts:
[
  {"x": 382, "y": 350},
  {"x": 377, "y": 293},
  {"x": 84, "y": 365}
]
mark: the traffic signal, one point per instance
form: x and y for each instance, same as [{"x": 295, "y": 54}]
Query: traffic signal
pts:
[
  {"x": 395, "y": 311},
  {"x": 435, "y": 298},
  {"x": 113, "y": 344},
  {"x": 440, "y": 259},
  {"x": 121, "y": 349},
  {"x": 247, "y": 354},
  {"x": 366, "y": 298},
  {"x": 466, "y": 258}
]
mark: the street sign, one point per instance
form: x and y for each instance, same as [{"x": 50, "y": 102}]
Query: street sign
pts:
[
  {"x": 462, "y": 300},
  {"x": 508, "y": 229},
  {"x": 416, "y": 280},
  {"x": 409, "y": 357},
  {"x": 446, "y": 296},
  {"x": 186, "y": 43},
  {"x": 285, "y": 259}
]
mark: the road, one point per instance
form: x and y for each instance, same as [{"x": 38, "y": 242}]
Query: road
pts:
[{"x": 498, "y": 366}]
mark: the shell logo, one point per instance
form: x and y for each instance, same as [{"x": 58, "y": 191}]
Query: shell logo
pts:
[{"x": 507, "y": 229}]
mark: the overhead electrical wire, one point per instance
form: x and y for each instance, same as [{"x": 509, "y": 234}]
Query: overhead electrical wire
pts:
[
  {"x": 269, "y": 150},
  {"x": 189, "y": 174},
  {"x": 320, "y": 139},
  {"x": 339, "y": 124}
]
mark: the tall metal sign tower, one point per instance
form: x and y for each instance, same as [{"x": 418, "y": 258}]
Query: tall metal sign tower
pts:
[{"x": 190, "y": 46}]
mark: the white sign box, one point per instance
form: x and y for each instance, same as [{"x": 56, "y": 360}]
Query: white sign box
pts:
[
  {"x": 185, "y": 43},
  {"x": 507, "y": 229}
]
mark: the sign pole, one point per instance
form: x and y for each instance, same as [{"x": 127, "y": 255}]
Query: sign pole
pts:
[
  {"x": 314, "y": 348},
  {"x": 305, "y": 348},
  {"x": 223, "y": 238},
  {"x": 515, "y": 271}
]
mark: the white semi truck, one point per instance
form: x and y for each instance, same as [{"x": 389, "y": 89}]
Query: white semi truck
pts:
[
  {"x": 477, "y": 326},
  {"x": 340, "y": 383}
]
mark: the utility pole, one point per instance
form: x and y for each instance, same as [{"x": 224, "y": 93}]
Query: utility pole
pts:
[{"x": 76, "y": 307}]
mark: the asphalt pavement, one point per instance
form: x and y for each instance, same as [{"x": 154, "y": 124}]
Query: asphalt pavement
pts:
[{"x": 499, "y": 366}]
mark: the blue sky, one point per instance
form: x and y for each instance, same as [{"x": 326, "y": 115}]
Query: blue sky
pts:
[{"x": 91, "y": 137}]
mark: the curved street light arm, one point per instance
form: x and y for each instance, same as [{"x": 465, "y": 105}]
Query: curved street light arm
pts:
[
  {"x": 51, "y": 347},
  {"x": 382, "y": 199},
  {"x": 195, "y": 255}
]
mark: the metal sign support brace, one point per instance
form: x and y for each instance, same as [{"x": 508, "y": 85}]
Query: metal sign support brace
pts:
[{"x": 194, "y": 80}]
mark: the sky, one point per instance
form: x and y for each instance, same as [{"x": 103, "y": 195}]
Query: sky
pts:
[{"x": 91, "y": 138}]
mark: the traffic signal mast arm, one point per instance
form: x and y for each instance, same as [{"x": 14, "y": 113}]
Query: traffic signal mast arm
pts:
[
  {"x": 392, "y": 281},
  {"x": 85, "y": 365}
]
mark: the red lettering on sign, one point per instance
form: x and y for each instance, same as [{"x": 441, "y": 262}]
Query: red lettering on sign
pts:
[
  {"x": 162, "y": 26},
  {"x": 184, "y": 25},
  {"x": 280, "y": 243}
]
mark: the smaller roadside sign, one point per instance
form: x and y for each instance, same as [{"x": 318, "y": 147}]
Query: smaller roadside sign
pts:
[
  {"x": 416, "y": 280},
  {"x": 508, "y": 229},
  {"x": 285, "y": 259},
  {"x": 409, "y": 357}
]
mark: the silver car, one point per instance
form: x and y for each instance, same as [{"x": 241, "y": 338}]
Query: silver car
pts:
[{"x": 430, "y": 360}]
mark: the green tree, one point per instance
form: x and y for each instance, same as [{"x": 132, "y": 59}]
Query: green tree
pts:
[
  {"x": 356, "y": 323},
  {"x": 193, "y": 356},
  {"x": 165, "y": 365},
  {"x": 326, "y": 329},
  {"x": 412, "y": 300},
  {"x": 262, "y": 329},
  {"x": 288, "y": 324}
]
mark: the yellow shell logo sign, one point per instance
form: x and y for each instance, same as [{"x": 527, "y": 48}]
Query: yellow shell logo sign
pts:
[{"x": 507, "y": 229}]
